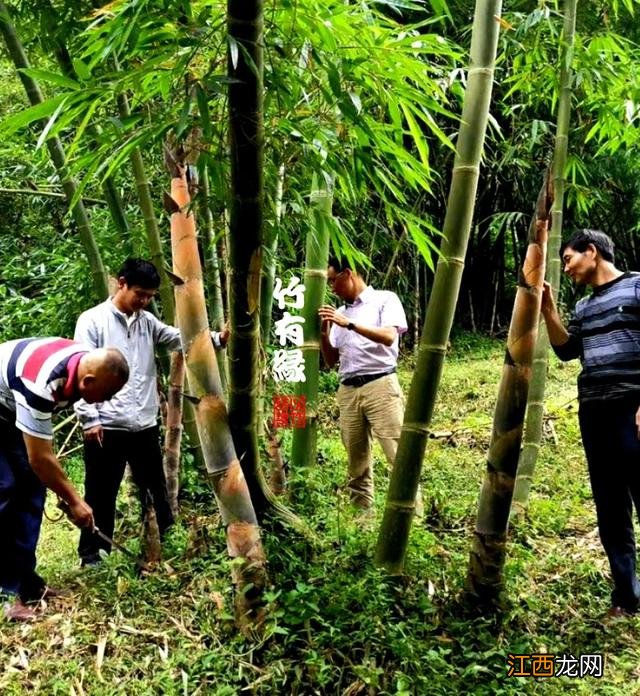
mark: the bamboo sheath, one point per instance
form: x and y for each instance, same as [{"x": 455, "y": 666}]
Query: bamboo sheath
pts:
[
  {"x": 484, "y": 580},
  {"x": 229, "y": 485},
  {"x": 535, "y": 408},
  {"x": 173, "y": 430}
]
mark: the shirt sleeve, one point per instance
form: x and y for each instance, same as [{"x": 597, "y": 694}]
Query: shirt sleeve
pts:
[
  {"x": 572, "y": 349},
  {"x": 392, "y": 313},
  {"x": 33, "y": 421},
  {"x": 87, "y": 333},
  {"x": 165, "y": 335}
]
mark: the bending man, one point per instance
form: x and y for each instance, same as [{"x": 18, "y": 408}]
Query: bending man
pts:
[{"x": 37, "y": 377}]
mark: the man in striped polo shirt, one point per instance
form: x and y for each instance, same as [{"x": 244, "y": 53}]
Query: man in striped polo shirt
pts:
[
  {"x": 37, "y": 377},
  {"x": 604, "y": 332}
]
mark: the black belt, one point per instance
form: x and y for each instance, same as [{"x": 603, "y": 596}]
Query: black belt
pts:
[{"x": 360, "y": 380}]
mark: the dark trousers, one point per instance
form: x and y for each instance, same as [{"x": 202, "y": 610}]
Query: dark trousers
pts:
[
  {"x": 104, "y": 469},
  {"x": 21, "y": 505},
  {"x": 611, "y": 443}
]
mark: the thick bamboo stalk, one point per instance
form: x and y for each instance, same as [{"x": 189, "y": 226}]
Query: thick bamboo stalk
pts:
[
  {"x": 246, "y": 140},
  {"x": 57, "y": 154},
  {"x": 488, "y": 552},
  {"x": 223, "y": 466},
  {"x": 304, "y": 442},
  {"x": 393, "y": 537},
  {"x": 173, "y": 430},
  {"x": 535, "y": 406}
]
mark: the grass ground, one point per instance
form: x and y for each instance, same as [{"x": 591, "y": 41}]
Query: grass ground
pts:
[{"x": 336, "y": 625}]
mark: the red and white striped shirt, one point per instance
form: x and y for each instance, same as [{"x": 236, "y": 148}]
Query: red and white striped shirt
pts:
[{"x": 37, "y": 377}]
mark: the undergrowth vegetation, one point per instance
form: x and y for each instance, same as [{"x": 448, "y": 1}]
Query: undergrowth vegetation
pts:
[{"x": 336, "y": 625}]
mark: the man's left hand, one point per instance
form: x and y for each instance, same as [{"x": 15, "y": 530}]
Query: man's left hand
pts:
[
  {"x": 328, "y": 313},
  {"x": 638, "y": 423}
]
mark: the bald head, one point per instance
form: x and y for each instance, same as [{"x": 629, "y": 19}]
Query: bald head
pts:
[{"x": 101, "y": 374}]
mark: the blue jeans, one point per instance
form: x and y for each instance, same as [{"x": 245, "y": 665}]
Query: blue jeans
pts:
[
  {"x": 21, "y": 506},
  {"x": 610, "y": 439}
]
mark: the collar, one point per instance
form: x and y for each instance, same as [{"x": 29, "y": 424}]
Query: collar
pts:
[
  {"x": 605, "y": 286},
  {"x": 118, "y": 312},
  {"x": 363, "y": 297},
  {"x": 69, "y": 388}
]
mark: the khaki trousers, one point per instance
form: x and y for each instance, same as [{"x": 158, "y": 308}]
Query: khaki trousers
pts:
[{"x": 375, "y": 409}]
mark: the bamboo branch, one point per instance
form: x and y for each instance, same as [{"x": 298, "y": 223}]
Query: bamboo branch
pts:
[{"x": 48, "y": 194}]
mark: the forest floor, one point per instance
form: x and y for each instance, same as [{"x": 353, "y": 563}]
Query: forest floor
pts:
[{"x": 336, "y": 625}]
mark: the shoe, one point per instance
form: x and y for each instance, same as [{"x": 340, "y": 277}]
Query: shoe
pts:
[
  {"x": 52, "y": 592},
  {"x": 44, "y": 592},
  {"x": 19, "y": 612},
  {"x": 90, "y": 561},
  {"x": 619, "y": 613}
]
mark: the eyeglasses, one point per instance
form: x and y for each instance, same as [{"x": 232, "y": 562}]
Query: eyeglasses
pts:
[{"x": 331, "y": 281}]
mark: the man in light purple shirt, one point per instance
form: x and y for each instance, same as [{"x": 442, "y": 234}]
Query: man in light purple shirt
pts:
[{"x": 363, "y": 336}]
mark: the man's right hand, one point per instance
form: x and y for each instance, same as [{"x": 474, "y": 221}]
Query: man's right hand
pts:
[
  {"x": 81, "y": 514},
  {"x": 94, "y": 434},
  {"x": 548, "y": 303}
]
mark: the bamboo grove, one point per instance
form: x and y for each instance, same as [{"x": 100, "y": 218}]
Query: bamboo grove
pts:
[{"x": 376, "y": 109}]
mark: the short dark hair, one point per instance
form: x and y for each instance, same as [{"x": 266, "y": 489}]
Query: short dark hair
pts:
[
  {"x": 601, "y": 241},
  {"x": 342, "y": 264},
  {"x": 140, "y": 272},
  {"x": 116, "y": 364}
]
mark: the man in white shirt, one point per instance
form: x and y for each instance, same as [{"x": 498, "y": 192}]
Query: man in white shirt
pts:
[
  {"x": 363, "y": 336},
  {"x": 125, "y": 429}
]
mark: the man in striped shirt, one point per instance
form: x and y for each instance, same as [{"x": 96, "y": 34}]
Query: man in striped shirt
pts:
[
  {"x": 604, "y": 332},
  {"x": 37, "y": 377}
]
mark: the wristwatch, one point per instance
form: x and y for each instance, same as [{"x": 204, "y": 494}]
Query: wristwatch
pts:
[{"x": 351, "y": 326}]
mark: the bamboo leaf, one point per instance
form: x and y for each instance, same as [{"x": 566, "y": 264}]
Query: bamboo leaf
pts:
[
  {"x": 53, "y": 78},
  {"x": 27, "y": 116},
  {"x": 50, "y": 124}
]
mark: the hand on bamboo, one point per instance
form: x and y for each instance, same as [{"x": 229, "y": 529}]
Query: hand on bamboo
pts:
[
  {"x": 328, "y": 313},
  {"x": 224, "y": 335},
  {"x": 638, "y": 422},
  {"x": 548, "y": 305}
]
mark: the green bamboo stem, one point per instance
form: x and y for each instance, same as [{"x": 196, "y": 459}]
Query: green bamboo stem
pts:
[
  {"x": 57, "y": 154},
  {"x": 150, "y": 220},
  {"x": 269, "y": 265},
  {"x": 488, "y": 551},
  {"x": 535, "y": 406},
  {"x": 304, "y": 442},
  {"x": 393, "y": 537},
  {"x": 212, "y": 271}
]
